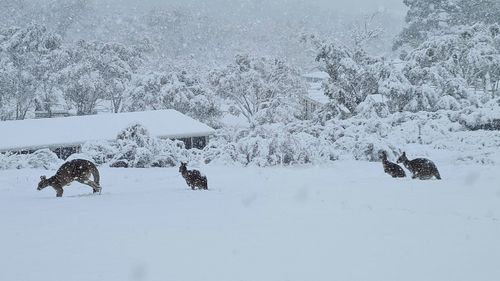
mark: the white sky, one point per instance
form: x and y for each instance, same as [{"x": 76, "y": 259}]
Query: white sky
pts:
[
  {"x": 347, "y": 6},
  {"x": 363, "y": 6}
]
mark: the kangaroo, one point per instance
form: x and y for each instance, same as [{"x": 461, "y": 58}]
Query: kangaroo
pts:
[
  {"x": 392, "y": 169},
  {"x": 193, "y": 177},
  {"x": 75, "y": 170},
  {"x": 421, "y": 168}
]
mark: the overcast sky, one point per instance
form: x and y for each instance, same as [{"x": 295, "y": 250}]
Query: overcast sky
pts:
[
  {"x": 347, "y": 6},
  {"x": 363, "y": 6}
]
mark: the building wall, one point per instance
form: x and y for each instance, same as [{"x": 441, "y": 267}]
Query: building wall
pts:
[
  {"x": 310, "y": 107},
  {"x": 195, "y": 142}
]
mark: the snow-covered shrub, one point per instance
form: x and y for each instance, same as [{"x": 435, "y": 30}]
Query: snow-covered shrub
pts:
[
  {"x": 448, "y": 103},
  {"x": 40, "y": 159},
  {"x": 135, "y": 148},
  {"x": 136, "y": 134},
  {"x": 361, "y": 139},
  {"x": 267, "y": 145},
  {"x": 99, "y": 151},
  {"x": 487, "y": 117},
  {"x": 332, "y": 110},
  {"x": 373, "y": 106},
  {"x": 424, "y": 98},
  {"x": 317, "y": 142},
  {"x": 370, "y": 149},
  {"x": 43, "y": 158},
  {"x": 422, "y": 127},
  {"x": 16, "y": 161},
  {"x": 170, "y": 152}
]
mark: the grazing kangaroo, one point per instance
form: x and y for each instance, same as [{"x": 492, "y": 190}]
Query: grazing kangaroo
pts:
[
  {"x": 75, "y": 170},
  {"x": 421, "y": 168},
  {"x": 392, "y": 169},
  {"x": 193, "y": 177}
]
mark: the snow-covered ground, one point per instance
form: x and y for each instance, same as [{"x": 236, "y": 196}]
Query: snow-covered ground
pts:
[{"x": 343, "y": 221}]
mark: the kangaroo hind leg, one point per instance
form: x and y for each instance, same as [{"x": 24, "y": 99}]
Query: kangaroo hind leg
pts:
[{"x": 95, "y": 187}]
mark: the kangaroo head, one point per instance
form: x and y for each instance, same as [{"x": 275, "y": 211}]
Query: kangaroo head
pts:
[
  {"x": 44, "y": 182},
  {"x": 402, "y": 158},
  {"x": 383, "y": 155},
  {"x": 183, "y": 167}
]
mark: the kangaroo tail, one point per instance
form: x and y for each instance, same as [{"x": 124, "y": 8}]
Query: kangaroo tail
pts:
[
  {"x": 438, "y": 176},
  {"x": 95, "y": 174}
]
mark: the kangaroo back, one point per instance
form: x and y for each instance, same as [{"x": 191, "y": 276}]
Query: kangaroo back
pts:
[
  {"x": 77, "y": 169},
  {"x": 193, "y": 177},
  {"x": 421, "y": 168}
]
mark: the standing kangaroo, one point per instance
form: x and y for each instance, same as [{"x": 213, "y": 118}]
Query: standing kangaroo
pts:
[
  {"x": 75, "y": 170},
  {"x": 193, "y": 177},
  {"x": 421, "y": 168},
  {"x": 392, "y": 169}
]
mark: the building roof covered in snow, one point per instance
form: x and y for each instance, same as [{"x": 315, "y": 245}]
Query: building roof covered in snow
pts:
[
  {"x": 315, "y": 92},
  {"x": 320, "y": 75},
  {"x": 66, "y": 131}
]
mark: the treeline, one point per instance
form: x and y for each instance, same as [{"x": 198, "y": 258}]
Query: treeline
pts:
[{"x": 38, "y": 72}]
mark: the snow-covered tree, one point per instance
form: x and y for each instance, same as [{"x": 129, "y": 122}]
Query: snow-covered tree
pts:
[
  {"x": 365, "y": 30},
  {"x": 352, "y": 75},
  {"x": 97, "y": 71},
  {"x": 477, "y": 11},
  {"x": 26, "y": 56},
  {"x": 264, "y": 91},
  {"x": 469, "y": 57},
  {"x": 425, "y": 17},
  {"x": 394, "y": 86},
  {"x": 179, "y": 90}
]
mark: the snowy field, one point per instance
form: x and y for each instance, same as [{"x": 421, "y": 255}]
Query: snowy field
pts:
[{"x": 343, "y": 221}]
